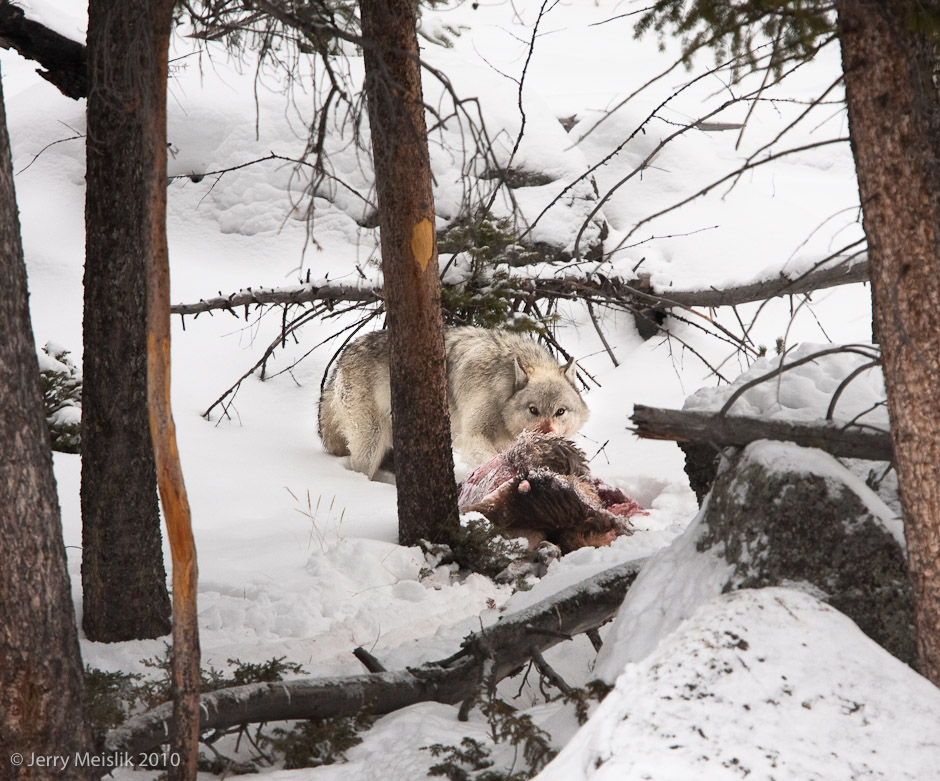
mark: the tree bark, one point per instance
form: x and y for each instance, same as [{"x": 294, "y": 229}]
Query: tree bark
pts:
[
  {"x": 894, "y": 120},
  {"x": 739, "y": 430},
  {"x": 424, "y": 466},
  {"x": 42, "y": 693},
  {"x": 123, "y": 577},
  {"x": 485, "y": 657}
]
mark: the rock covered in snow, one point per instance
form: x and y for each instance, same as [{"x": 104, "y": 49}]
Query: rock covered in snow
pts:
[
  {"x": 787, "y": 514},
  {"x": 779, "y": 514},
  {"x": 760, "y": 684}
]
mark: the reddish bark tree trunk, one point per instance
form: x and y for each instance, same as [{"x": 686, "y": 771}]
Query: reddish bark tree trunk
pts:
[
  {"x": 123, "y": 578},
  {"x": 894, "y": 119},
  {"x": 42, "y": 692},
  {"x": 424, "y": 464}
]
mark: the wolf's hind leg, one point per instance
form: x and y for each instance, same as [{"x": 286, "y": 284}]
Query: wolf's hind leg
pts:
[{"x": 368, "y": 444}]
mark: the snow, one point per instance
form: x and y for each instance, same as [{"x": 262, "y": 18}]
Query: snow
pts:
[
  {"x": 297, "y": 553},
  {"x": 766, "y": 683}
]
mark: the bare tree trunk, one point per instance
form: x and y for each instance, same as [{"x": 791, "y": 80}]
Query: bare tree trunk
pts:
[
  {"x": 123, "y": 577},
  {"x": 42, "y": 693},
  {"x": 894, "y": 119},
  {"x": 424, "y": 464}
]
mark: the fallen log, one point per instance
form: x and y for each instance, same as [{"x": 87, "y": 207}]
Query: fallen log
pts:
[
  {"x": 739, "y": 430},
  {"x": 62, "y": 59},
  {"x": 485, "y": 658}
]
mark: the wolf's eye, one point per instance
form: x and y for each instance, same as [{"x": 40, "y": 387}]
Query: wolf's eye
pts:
[
  {"x": 559, "y": 412},
  {"x": 534, "y": 410}
]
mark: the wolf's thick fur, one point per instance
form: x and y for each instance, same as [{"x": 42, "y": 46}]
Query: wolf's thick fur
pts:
[{"x": 499, "y": 384}]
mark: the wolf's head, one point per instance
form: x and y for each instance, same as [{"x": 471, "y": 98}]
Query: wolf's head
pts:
[{"x": 545, "y": 399}]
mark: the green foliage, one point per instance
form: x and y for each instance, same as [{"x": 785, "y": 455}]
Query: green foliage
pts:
[
  {"x": 317, "y": 741},
  {"x": 151, "y": 692},
  {"x": 487, "y": 294},
  {"x": 507, "y": 725},
  {"x": 114, "y": 696},
  {"x": 475, "y": 544},
  {"x": 738, "y": 29},
  {"x": 111, "y": 697},
  {"x": 460, "y": 762},
  {"x": 61, "y": 392},
  {"x": 471, "y": 761},
  {"x": 595, "y": 690},
  {"x": 490, "y": 241}
]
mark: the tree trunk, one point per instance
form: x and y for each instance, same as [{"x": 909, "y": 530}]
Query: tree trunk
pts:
[
  {"x": 42, "y": 693},
  {"x": 894, "y": 121},
  {"x": 424, "y": 465},
  {"x": 123, "y": 577}
]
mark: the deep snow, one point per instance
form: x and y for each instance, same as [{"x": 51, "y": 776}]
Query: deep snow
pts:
[{"x": 297, "y": 554}]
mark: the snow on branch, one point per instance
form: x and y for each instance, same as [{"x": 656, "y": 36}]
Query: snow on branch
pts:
[
  {"x": 263, "y": 296},
  {"x": 485, "y": 658},
  {"x": 596, "y": 288}
]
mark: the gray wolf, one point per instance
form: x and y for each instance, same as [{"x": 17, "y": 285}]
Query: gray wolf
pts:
[{"x": 498, "y": 384}]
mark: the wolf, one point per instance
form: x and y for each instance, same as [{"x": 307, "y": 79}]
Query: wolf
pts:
[{"x": 499, "y": 384}]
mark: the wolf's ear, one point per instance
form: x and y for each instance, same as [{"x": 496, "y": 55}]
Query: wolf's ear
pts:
[
  {"x": 570, "y": 371},
  {"x": 522, "y": 376}
]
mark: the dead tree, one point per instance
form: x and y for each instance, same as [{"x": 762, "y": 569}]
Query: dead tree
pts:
[{"x": 123, "y": 577}]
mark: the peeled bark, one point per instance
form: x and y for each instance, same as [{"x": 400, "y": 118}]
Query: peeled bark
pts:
[
  {"x": 42, "y": 694},
  {"x": 424, "y": 464},
  {"x": 123, "y": 578},
  {"x": 890, "y": 62}
]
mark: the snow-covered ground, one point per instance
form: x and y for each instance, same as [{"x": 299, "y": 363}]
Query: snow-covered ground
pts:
[{"x": 297, "y": 554}]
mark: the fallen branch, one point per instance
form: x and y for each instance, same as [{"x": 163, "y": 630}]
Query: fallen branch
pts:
[
  {"x": 300, "y": 294},
  {"x": 739, "y": 430},
  {"x": 62, "y": 59},
  {"x": 502, "y": 648},
  {"x": 843, "y": 273},
  {"x": 597, "y": 288}
]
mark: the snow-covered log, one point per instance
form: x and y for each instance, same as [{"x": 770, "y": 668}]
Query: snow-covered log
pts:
[
  {"x": 739, "y": 430},
  {"x": 485, "y": 658}
]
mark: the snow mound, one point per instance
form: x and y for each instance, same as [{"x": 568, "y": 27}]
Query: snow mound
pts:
[
  {"x": 768, "y": 683},
  {"x": 804, "y": 393}
]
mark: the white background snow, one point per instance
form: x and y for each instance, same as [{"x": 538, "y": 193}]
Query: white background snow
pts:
[{"x": 297, "y": 554}]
